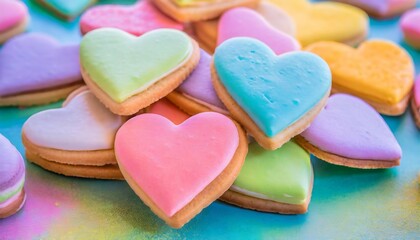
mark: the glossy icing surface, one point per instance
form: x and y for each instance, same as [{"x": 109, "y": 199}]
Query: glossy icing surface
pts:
[
  {"x": 244, "y": 22},
  {"x": 83, "y": 124},
  {"x": 381, "y": 7},
  {"x": 12, "y": 169},
  {"x": 410, "y": 25},
  {"x": 351, "y": 128},
  {"x": 198, "y": 85},
  {"x": 11, "y": 14},
  {"x": 283, "y": 175},
  {"x": 167, "y": 109},
  {"x": 276, "y": 91},
  {"x": 70, "y": 8},
  {"x": 172, "y": 174},
  {"x": 136, "y": 19},
  {"x": 324, "y": 21},
  {"x": 190, "y": 3},
  {"x": 377, "y": 70},
  {"x": 139, "y": 61},
  {"x": 33, "y": 61}
]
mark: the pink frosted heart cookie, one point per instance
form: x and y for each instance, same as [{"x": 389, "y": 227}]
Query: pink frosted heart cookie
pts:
[
  {"x": 196, "y": 94},
  {"x": 12, "y": 179},
  {"x": 36, "y": 69},
  {"x": 14, "y": 18},
  {"x": 382, "y": 8},
  {"x": 167, "y": 109},
  {"x": 136, "y": 19},
  {"x": 415, "y": 101},
  {"x": 76, "y": 140},
  {"x": 177, "y": 170},
  {"x": 244, "y": 22},
  {"x": 351, "y": 133},
  {"x": 410, "y": 25}
]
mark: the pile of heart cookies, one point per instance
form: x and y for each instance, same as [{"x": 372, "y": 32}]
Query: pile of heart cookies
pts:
[{"x": 191, "y": 101}]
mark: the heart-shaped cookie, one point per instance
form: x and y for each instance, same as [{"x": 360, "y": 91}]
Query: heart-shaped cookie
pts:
[
  {"x": 136, "y": 19},
  {"x": 415, "y": 101},
  {"x": 12, "y": 178},
  {"x": 378, "y": 71},
  {"x": 273, "y": 181},
  {"x": 351, "y": 133},
  {"x": 244, "y": 22},
  {"x": 411, "y": 28},
  {"x": 167, "y": 109},
  {"x": 326, "y": 21},
  {"x": 195, "y": 165},
  {"x": 143, "y": 70},
  {"x": 76, "y": 140},
  {"x": 382, "y": 8},
  {"x": 196, "y": 94},
  {"x": 34, "y": 62},
  {"x": 13, "y": 19},
  {"x": 206, "y": 31},
  {"x": 278, "y": 96},
  {"x": 66, "y": 9}
]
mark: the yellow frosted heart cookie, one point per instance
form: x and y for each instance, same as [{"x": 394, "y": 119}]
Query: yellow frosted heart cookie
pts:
[
  {"x": 380, "y": 72},
  {"x": 326, "y": 21}
]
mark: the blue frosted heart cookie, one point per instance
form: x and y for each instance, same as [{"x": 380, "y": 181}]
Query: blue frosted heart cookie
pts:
[{"x": 273, "y": 97}]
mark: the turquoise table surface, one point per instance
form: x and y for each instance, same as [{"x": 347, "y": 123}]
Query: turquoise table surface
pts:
[{"x": 346, "y": 203}]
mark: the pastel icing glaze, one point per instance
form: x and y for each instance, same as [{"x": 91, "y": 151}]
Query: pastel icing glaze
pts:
[
  {"x": 244, "y": 22},
  {"x": 12, "y": 171},
  {"x": 325, "y": 21},
  {"x": 417, "y": 92},
  {"x": 199, "y": 86},
  {"x": 351, "y": 128},
  {"x": 411, "y": 28},
  {"x": 174, "y": 173},
  {"x": 137, "y": 19},
  {"x": 377, "y": 70},
  {"x": 69, "y": 8},
  {"x": 139, "y": 61},
  {"x": 381, "y": 7},
  {"x": 275, "y": 91},
  {"x": 12, "y": 13},
  {"x": 283, "y": 175},
  {"x": 167, "y": 109},
  {"x": 33, "y": 62},
  {"x": 83, "y": 124}
]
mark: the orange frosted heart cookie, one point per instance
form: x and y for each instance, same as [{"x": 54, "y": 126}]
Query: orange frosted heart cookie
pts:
[
  {"x": 199, "y": 10},
  {"x": 326, "y": 21},
  {"x": 379, "y": 72}
]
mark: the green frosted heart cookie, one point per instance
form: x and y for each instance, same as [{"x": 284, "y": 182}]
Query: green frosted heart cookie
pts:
[{"x": 123, "y": 65}]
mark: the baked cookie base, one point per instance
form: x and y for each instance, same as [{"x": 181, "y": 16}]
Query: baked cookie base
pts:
[
  {"x": 206, "y": 39},
  {"x": 9, "y": 33},
  {"x": 264, "y": 205},
  {"x": 188, "y": 105},
  {"x": 110, "y": 171},
  {"x": 241, "y": 116},
  {"x": 39, "y": 97},
  {"x": 85, "y": 158},
  {"x": 201, "y": 12},
  {"x": 59, "y": 14},
  {"x": 395, "y": 12},
  {"x": 416, "y": 112},
  {"x": 158, "y": 90},
  {"x": 386, "y": 109},
  {"x": 14, "y": 207},
  {"x": 213, "y": 191},
  {"x": 343, "y": 161}
]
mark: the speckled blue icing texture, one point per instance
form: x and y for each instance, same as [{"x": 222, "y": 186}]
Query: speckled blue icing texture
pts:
[{"x": 275, "y": 91}]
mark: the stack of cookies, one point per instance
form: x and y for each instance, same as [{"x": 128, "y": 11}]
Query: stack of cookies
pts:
[{"x": 191, "y": 101}]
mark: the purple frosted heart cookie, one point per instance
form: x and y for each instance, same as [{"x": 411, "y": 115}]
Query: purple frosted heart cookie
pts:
[
  {"x": 196, "y": 94},
  {"x": 36, "y": 69},
  {"x": 351, "y": 133},
  {"x": 12, "y": 178}
]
